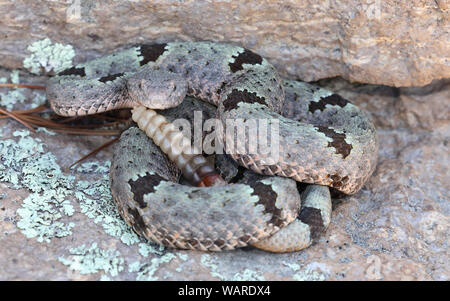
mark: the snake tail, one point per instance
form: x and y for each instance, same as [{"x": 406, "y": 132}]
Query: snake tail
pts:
[{"x": 194, "y": 166}]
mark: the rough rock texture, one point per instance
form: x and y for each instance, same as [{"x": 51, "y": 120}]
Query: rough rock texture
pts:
[
  {"x": 392, "y": 42},
  {"x": 60, "y": 224}
]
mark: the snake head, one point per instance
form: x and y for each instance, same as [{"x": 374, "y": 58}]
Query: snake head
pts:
[{"x": 156, "y": 89}]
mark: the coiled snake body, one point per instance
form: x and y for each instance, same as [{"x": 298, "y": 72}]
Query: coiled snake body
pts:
[{"x": 323, "y": 140}]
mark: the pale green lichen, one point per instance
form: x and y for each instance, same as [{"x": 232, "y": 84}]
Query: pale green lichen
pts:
[
  {"x": 183, "y": 257},
  {"x": 49, "y": 56},
  {"x": 93, "y": 260},
  {"x": 146, "y": 271},
  {"x": 46, "y": 131},
  {"x": 293, "y": 266},
  {"x": 96, "y": 202},
  {"x": 245, "y": 275},
  {"x": 14, "y": 95},
  {"x": 147, "y": 248},
  {"x": 103, "y": 211},
  {"x": 15, "y": 79},
  {"x": 38, "y": 99},
  {"x": 208, "y": 262},
  {"x": 94, "y": 167},
  {"x": 25, "y": 164},
  {"x": 307, "y": 273},
  {"x": 105, "y": 278},
  {"x": 9, "y": 99},
  {"x": 39, "y": 218}
]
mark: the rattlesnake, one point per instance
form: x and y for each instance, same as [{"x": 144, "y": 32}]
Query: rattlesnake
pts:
[{"x": 324, "y": 140}]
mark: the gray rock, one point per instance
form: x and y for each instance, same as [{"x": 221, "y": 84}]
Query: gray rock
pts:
[{"x": 395, "y": 43}]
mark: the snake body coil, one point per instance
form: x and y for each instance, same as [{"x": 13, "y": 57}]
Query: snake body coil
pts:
[{"x": 323, "y": 139}]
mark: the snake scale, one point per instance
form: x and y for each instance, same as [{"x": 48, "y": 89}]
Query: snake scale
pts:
[{"x": 324, "y": 140}]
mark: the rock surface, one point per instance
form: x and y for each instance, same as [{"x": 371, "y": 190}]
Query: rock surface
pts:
[
  {"x": 60, "y": 224},
  {"x": 392, "y": 42}
]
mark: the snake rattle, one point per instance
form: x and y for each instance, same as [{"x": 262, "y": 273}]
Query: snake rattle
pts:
[{"x": 324, "y": 140}]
